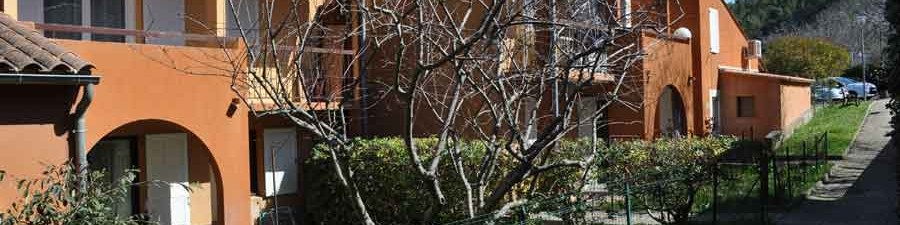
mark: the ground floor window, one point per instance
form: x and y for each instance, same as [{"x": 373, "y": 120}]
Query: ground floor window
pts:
[
  {"x": 746, "y": 106},
  {"x": 115, "y": 156}
]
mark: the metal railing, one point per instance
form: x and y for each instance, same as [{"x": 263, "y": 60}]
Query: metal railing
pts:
[{"x": 190, "y": 39}]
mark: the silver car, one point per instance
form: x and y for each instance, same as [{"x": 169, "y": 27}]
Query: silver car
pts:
[
  {"x": 829, "y": 90},
  {"x": 856, "y": 89}
]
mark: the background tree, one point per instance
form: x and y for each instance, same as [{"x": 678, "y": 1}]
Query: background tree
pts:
[
  {"x": 805, "y": 57},
  {"x": 892, "y": 58},
  {"x": 761, "y": 18},
  {"x": 505, "y": 72},
  {"x": 833, "y": 20}
]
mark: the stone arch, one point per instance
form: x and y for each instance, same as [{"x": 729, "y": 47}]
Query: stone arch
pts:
[{"x": 199, "y": 158}]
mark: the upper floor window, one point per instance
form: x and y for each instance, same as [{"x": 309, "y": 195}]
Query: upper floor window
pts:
[
  {"x": 110, "y": 14},
  {"x": 713, "y": 30},
  {"x": 95, "y": 13},
  {"x": 63, "y": 12}
]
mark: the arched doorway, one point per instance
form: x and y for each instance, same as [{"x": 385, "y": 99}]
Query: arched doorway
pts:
[
  {"x": 178, "y": 177},
  {"x": 670, "y": 115}
]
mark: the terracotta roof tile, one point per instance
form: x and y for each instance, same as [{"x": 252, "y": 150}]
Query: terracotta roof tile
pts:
[{"x": 24, "y": 50}]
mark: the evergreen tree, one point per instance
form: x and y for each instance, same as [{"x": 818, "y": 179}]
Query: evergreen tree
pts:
[
  {"x": 892, "y": 55},
  {"x": 760, "y": 18}
]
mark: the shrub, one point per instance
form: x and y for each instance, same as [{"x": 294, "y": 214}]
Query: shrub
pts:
[
  {"x": 395, "y": 192},
  {"x": 675, "y": 169},
  {"x": 56, "y": 199},
  {"x": 806, "y": 57},
  {"x": 667, "y": 174}
]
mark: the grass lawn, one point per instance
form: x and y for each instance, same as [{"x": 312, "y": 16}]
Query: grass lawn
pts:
[
  {"x": 839, "y": 120},
  {"x": 739, "y": 189}
]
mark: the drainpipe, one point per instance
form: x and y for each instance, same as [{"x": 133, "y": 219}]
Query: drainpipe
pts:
[
  {"x": 363, "y": 69},
  {"x": 86, "y": 81},
  {"x": 80, "y": 129}
]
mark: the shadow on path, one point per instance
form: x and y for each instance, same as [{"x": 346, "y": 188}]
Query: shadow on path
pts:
[{"x": 861, "y": 189}]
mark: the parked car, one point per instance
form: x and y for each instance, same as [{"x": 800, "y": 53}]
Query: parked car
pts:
[
  {"x": 856, "y": 89},
  {"x": 828, "y": 90}
]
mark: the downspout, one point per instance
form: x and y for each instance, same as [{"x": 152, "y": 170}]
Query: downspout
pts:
[
  {"x": 80, "y": 129},
  {"x": 363, "y": 69}
]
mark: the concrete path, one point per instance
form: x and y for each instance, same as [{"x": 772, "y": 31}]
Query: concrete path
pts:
[{"x": 862, "y": 188}]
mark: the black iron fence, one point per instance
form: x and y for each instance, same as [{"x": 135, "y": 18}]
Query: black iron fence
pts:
[
  {"x": 761, "y": 177},
  {"x": 748, "y": 183}
]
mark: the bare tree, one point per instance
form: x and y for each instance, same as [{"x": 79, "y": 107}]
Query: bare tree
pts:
[{"x": 507, "y": 72}]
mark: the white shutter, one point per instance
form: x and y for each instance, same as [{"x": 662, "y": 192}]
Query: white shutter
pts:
[
  {"x": 713, "y": 30},
  {"x": 282, "y": 179},
  {"x": 626, "y": 12},
  {"x": 167, "y": 161}
]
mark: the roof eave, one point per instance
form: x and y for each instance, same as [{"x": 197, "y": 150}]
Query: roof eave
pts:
[
  {"x": 47, "y": 79},
  {"x": 782, "y": 78}
]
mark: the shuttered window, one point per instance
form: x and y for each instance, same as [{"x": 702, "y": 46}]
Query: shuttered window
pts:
[
  {"x": 713, "y": 30},
  {"x": 626, "y": 12}
]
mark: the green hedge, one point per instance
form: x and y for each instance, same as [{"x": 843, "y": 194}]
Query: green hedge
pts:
[{"x": 395, "y": 193}]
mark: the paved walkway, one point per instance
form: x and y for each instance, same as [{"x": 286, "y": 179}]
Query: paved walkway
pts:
[{"x": 862, "y": 188}]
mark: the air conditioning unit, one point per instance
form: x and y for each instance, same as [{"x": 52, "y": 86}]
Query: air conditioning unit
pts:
[{"x": 754, "y": 51}]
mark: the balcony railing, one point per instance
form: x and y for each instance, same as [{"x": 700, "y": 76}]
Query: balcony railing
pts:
[
  {"x": 318, "y": 84},
  {"x": 134, "y": 36}
]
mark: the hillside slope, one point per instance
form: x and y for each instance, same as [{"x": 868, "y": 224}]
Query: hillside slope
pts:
[{"x": 834, "y": 20}]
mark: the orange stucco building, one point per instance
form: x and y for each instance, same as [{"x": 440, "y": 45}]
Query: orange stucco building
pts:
[
  {"x": 157, "y": 95},
  {"x": 706, "y": 74}
]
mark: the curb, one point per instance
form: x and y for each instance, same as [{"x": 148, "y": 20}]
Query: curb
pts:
[{"x": 859, "y": 129}]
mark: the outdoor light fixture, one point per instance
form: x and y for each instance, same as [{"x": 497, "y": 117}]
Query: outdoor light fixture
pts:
[
  {"x": 682, "y": 34},
  {"x": 233, "y": 106}
]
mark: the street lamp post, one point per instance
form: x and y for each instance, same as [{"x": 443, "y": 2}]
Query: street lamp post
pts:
[{"x": 862, "y": 55}]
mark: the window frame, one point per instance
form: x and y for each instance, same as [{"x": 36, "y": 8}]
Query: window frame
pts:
[{"x": 33, "y": 10}]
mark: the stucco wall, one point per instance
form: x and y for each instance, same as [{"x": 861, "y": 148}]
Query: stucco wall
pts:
[
  {"x": 796, "y": 105},
  {"x": 668, "y": 63},
  {"x": 140, "y": 82},
  {"x": 186, "y": 86},
  {"x": 706, "y": 64},
  {"x": 767, "y": 98},
  {"x": 34, "y": 131}
]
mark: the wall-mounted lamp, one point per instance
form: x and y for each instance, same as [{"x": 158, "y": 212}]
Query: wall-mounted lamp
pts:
[
  {"x": 682, "y": 34},
  {"x": 232, "y": 107}
]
